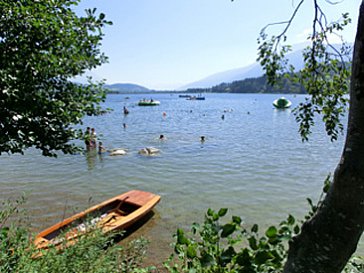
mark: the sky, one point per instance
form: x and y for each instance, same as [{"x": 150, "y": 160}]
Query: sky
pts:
[{"x": 166, "y": 44}]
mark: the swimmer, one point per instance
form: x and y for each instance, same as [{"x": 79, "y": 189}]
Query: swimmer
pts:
[
  {"x": 202, "y": 139},
  {"x": 87, "y": 137},
  {"x": 162, "y": 137},
  {"x": 93, "y": 138},
  {"x": 124, "y": 125},
  {"x": 101, "y": 148}
]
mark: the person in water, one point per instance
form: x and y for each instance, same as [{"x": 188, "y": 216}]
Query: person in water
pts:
[
  {"x": 202, "y": 139},
  {"x": 87, "y": 137},
  {"x": 102, "y": 149},
  {"x": 162, "y": 137},
  {"x": 93, "y": 138},
  {"x": 126, "y": 111}
]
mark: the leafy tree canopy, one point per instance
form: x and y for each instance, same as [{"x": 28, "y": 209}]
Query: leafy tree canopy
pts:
[
  {"x": 326, "y": 73},
  {"x": 43, "y": 46}
]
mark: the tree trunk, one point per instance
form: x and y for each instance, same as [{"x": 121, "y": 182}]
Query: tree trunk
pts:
[{"x": 328, "y": 240}]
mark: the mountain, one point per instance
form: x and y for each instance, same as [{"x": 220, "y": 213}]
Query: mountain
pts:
[
  {"x": 126, "y": 88},
  {"x": 238, "y": 74},
  {"x": 254, "y": 85}
]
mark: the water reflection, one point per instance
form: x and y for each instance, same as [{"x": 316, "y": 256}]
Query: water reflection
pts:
[{"x": 92, "y": 156}]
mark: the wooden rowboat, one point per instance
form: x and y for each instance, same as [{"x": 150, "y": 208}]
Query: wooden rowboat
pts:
[{"x": 119, "y": 212}]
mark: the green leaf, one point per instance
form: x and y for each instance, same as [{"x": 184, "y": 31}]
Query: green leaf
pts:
[
  {"x": 222, "y": 212},
  {"x": 253, "y": 243},
  {"x": 191, "y": 251},
  {"x": 296, "y": 229},
  {"x": 262, "y": 257},
  {"x": 210, "y": 212},
  {"x": 215, "y": 217},
  {"x": 255, "y": 228},
  {"x": 227, "y": 256},
  {"x": 227, "y": 230},
  {"x": 181, "y": 239},
  {"x": 243, "y": 258},
  {"x": 291, "y": 220},
  {"x": 207, "y": 260},
  {"x": 237, "y": 220},
  {"x": 271, "y": 232}
]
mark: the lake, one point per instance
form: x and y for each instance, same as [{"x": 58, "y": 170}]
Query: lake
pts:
[{"x": 252, "y": 161}]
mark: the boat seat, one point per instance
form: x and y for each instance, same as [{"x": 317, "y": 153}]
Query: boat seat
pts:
[{"x": 121, "y": 212}]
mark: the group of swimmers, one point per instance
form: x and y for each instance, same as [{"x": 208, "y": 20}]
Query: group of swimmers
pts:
[
  {"x": 90, "y": 138},
  {"x": 90, "y": 141}
]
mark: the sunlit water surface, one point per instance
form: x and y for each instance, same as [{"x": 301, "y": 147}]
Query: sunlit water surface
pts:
[{"x": 252, "y": 162}]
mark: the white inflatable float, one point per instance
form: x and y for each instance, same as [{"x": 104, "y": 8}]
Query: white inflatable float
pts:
[
  {"x": 149, "y": 151},
  {"x": 117, "y": 151}
]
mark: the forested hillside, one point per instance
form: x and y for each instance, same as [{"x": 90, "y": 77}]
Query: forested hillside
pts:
[{"x": 254, "y": 85}]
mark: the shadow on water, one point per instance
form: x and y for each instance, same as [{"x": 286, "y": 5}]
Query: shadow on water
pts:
[{"x": 127, "y": 233}]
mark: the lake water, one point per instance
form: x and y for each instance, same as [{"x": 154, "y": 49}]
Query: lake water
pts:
[{"x": 252, "y": 162}]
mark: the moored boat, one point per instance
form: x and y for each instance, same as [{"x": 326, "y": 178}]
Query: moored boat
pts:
[
  {"x": 199, "y": 97},
  {"x": 282, "y": 103},
  {"x": 150, "y": 102},
  {"x": 119, "y": 212}
]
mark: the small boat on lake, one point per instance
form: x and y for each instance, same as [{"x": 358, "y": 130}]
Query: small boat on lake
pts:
[
  {"x": 119, "y": 212},
  {"x": 282, "y": 103},
  {"x": 184, "y": 96},
  {"x": 150, "y": 102},
  {"x": 199, "y": 97}
]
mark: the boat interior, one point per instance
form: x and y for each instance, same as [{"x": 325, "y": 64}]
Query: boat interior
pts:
[{"x": 103, "y": 216}]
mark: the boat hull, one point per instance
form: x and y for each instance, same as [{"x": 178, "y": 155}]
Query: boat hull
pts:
[
  {"x": 148, "y": 103},
  {"x": 119, "y": 212}
]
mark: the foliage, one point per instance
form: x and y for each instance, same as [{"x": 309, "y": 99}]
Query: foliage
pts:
[
  {"x": 93, "y": 252},
  {"x": 325, "y": 75},
  {"x": 213, "y": 247},
  {"x": 43, "y": 46},
  {"x": 230, "y": 247}
]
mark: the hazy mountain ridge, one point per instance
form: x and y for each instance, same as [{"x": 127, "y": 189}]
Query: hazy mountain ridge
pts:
[
  {"x": 251, "y": 71},
  {"x": 126, "y": 88}
]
